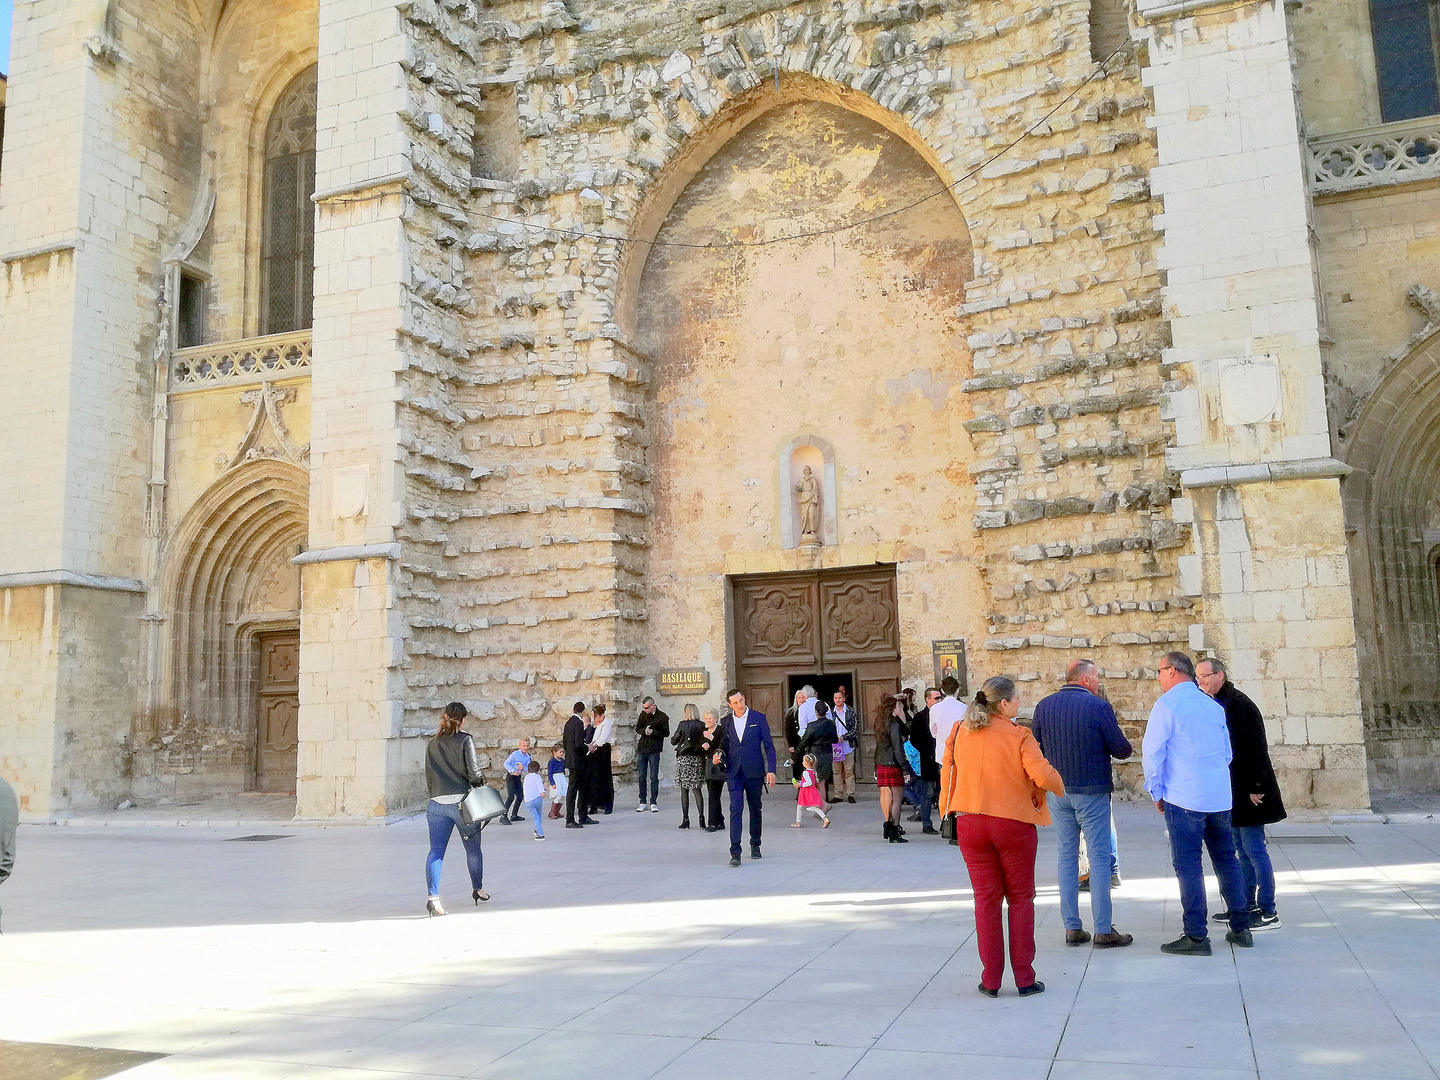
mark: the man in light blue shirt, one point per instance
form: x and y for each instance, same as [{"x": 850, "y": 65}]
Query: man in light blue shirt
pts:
[{"x": 1187, "y": 773}]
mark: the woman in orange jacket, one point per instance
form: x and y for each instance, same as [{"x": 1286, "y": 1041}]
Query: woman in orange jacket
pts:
[{"x": 994, "y": 778}]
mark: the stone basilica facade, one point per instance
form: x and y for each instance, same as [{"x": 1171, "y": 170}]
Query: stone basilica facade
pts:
[{"x": 361, "y": 356}]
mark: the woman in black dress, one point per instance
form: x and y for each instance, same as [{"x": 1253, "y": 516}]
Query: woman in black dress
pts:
[
  {"x": 712, "y": 742},
  {"x": 820, "y": 734},
  {"x": 602, "y": 781},
  {"x": 690, "y": 764}
]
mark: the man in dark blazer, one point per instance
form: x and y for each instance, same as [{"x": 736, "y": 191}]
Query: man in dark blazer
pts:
[
  {"x": 750, "y": 760},
  {"x": 577, "y": 769},
  {"x": 928, "y": 782},
  {"x": 1254, "y": 792}
]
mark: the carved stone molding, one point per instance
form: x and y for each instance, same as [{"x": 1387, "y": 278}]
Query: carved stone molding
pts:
[{"x": 266, "y": 401}]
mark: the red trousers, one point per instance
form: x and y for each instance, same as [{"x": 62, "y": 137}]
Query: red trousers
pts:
[{"x": 1000, "y": 855}]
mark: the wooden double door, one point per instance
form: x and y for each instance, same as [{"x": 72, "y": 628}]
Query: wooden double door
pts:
[
  {"x": 278, "y": 713},
  {"x": 828, "y": 628}
]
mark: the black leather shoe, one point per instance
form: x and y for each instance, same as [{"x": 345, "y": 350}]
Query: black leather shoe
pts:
[
  {"x": 1037, "y": 987},
  {"x": 588, "y": 821},
  {"x": 755, "y": 853},
  {"x": 684, "y": 824},
  {"x": 573, "y": 825},
  {"x": 930, "y": 830},
  {"x": 850, "y": 798},
  {"x": 987, "y": 991},
  {"x": 734, "y": 860}
]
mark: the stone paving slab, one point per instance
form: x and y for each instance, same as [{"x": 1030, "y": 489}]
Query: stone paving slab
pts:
[{"x": 631, "y": 950}]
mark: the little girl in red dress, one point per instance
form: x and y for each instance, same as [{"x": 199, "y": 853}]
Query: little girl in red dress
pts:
[{"x": 809, "y": 795}]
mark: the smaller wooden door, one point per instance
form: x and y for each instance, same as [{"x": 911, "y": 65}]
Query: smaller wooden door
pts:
[{"x": 279, "y": 711}]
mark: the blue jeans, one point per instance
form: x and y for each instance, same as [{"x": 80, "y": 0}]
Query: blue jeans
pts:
[
  {"x": 442, "y": 818},
  {"x": 534, "y": 807},
  {"x": 1091, "y": 814},
  {"x": 743, "y": 790},
  {"x": 648, "y": 763},
  {"x": 918, "y": 791},
  {"x": 1189, "y": 830},
  {"x": 1255, "y": 868}
]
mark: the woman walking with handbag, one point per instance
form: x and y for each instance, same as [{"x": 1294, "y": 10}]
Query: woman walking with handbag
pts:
[
  {"x": 451, "y": 770},
  {"x": 690, "y": 764},
  {"x": 994, "y": 778}
]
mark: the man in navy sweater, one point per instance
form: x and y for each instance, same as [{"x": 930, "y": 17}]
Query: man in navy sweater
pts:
[{"x": 1078, "y": 733}]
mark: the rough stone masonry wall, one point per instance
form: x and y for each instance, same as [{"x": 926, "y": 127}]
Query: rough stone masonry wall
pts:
[{"x": 526, "y": 513}]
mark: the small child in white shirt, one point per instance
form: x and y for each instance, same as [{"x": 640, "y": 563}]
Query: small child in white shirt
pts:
[{"x": 535, "y": 796}]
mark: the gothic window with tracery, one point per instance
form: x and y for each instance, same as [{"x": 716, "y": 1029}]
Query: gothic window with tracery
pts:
[
  {"x": 1406, "y": 33},
  {"x": 287, "y": 259}
]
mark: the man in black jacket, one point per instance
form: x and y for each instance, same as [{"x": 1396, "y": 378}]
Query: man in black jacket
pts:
[
  {"x": 577, "y": 769},
  {"x": 1254, "y": 792},
  {"x": 652, "y": 729},
  {"x": 928, "y": 782}
]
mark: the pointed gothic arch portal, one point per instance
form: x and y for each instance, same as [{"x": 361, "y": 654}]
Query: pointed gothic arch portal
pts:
[
  {"x": 847, "y": 334},
  {"x": 1393, "y": 501},
  {"x": 233, "y": 624}
]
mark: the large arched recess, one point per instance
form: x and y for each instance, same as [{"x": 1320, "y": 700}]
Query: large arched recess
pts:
[
  {"x": 846, "y": 335},
  {"x": 228, "y": 578},
  {"x": 1393, "y": 503}
]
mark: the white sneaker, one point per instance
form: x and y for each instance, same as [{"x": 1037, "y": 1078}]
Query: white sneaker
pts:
[
  {"x": 640, "y": 809},
  {"x": 654, "y": 809}
]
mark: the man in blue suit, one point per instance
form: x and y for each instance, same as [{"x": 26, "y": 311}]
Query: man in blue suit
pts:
[{"x": 749, "y": 769}]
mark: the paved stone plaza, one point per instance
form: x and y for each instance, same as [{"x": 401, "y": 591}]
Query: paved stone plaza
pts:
[{"x": 631, "y": 950}]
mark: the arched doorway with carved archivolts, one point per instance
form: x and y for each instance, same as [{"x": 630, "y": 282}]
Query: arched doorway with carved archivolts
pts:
[
  {"x": 227, "y": 710},
  {"x": 1392, "y": 510}
]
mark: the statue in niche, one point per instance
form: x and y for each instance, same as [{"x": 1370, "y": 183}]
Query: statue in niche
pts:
[{"x": 807, "y": 493}]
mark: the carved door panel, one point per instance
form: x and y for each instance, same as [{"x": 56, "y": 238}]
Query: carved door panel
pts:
[
  {"x": 775, "y": 620},
  {"x": 858, "y": 618},
  {"x": 277, "y": 722},
  {"x": 766, "y": 693}
]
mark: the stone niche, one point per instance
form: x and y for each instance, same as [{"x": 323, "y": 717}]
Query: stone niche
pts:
[{"x": 815, "y": 454}]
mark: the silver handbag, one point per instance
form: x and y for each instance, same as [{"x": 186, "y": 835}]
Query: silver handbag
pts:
[{"x": 483, "y": 804}]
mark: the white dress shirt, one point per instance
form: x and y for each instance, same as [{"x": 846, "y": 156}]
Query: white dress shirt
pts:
[
  {"x": 740, "y": 720},
  {"x": 1187, "y": 751},
  {"x": 944, "y": 715}
]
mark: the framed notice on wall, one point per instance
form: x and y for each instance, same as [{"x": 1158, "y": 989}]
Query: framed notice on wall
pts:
[{"x": 949, "y": 657}]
